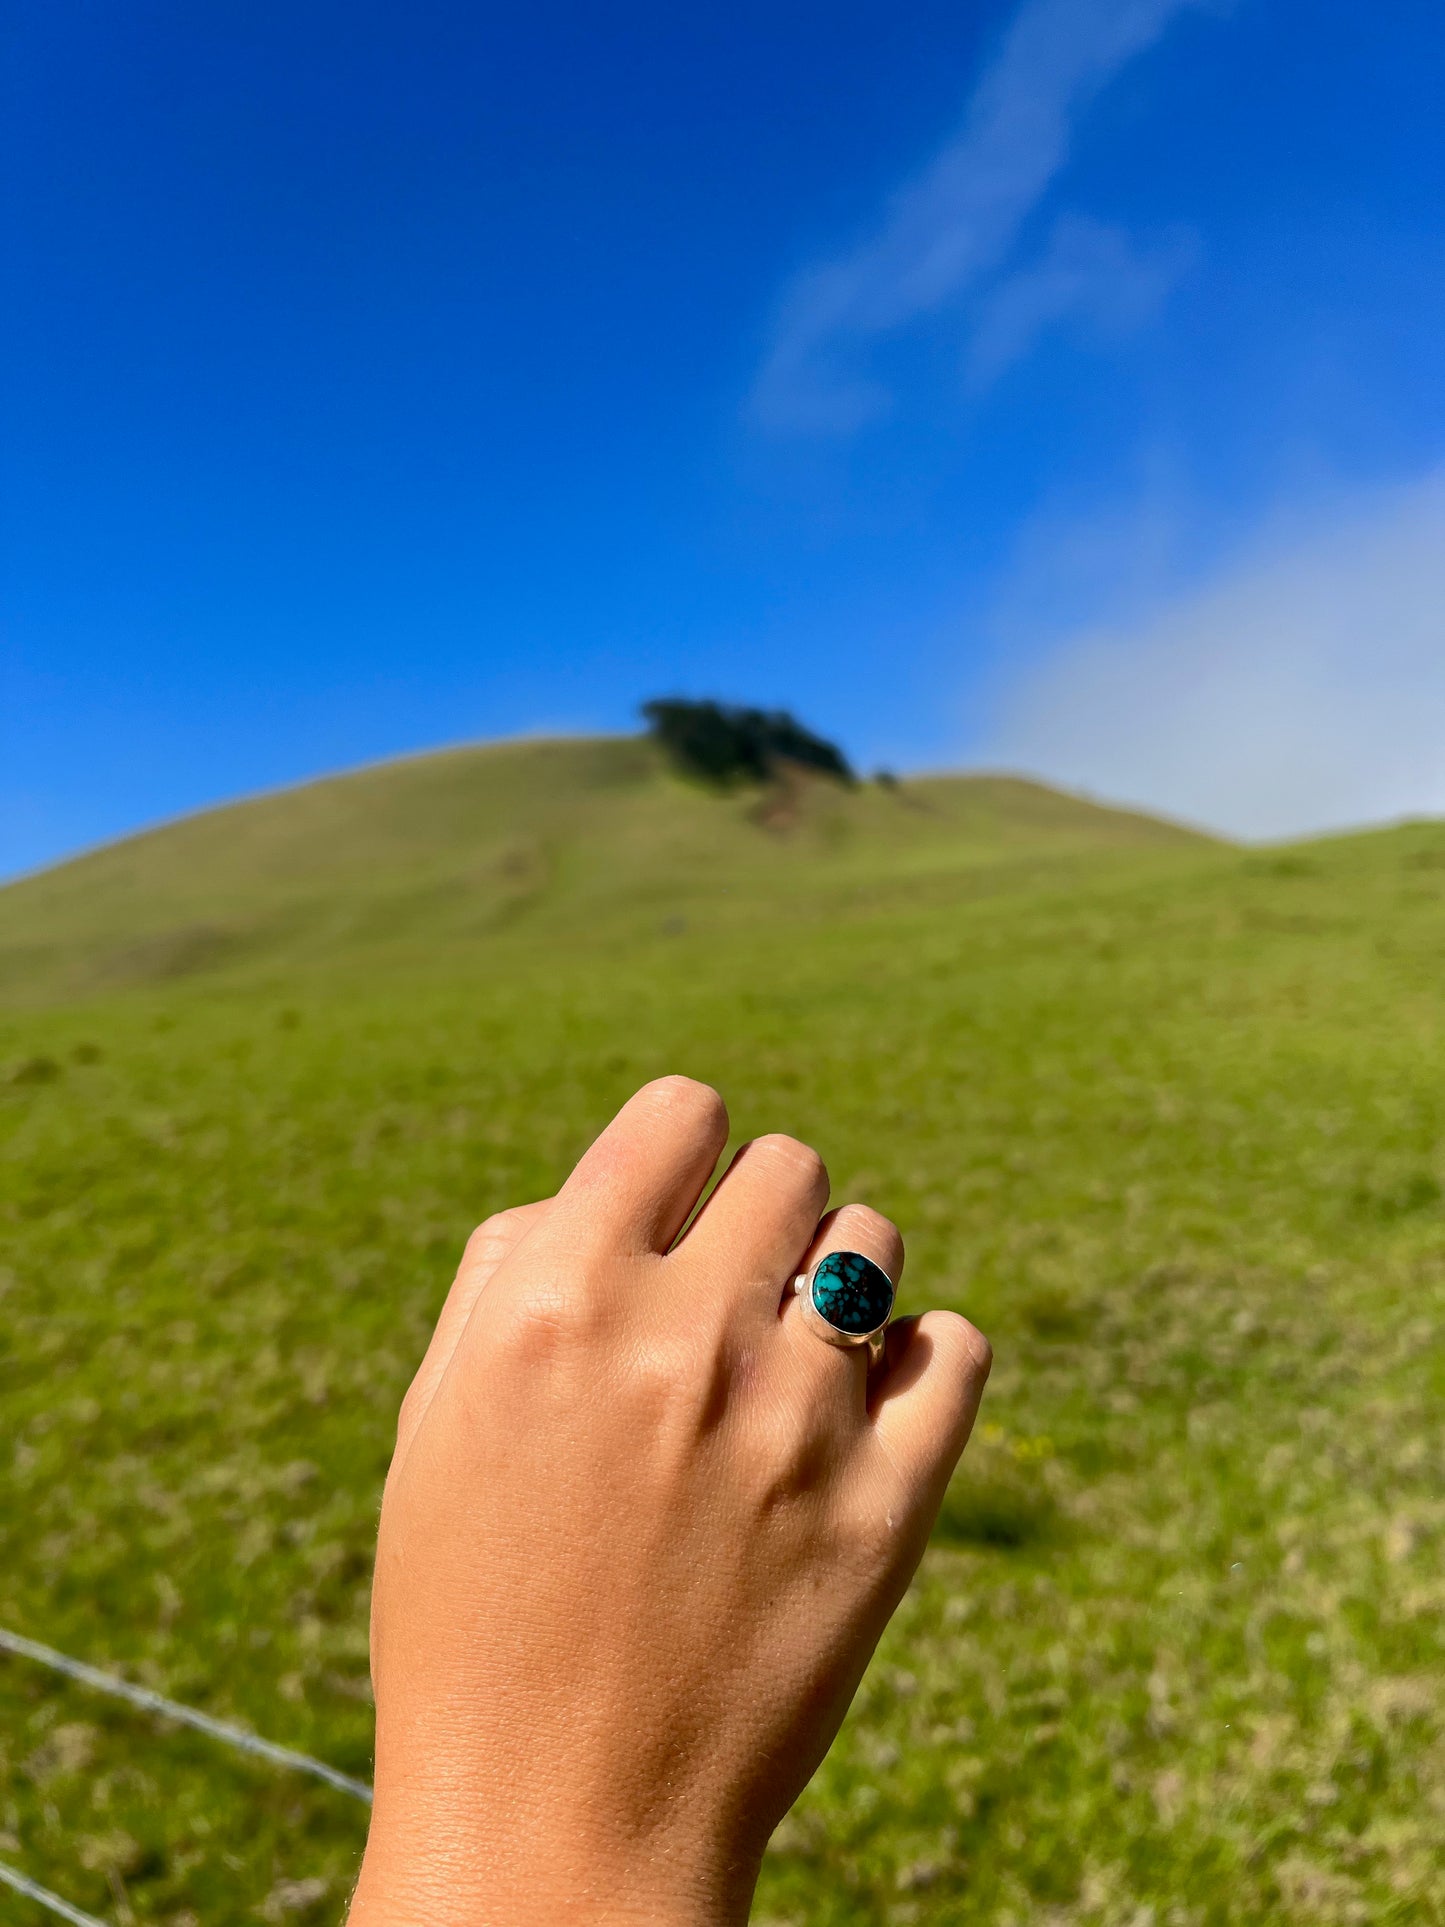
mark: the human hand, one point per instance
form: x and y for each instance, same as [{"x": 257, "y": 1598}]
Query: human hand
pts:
[{"x": 641, "y": 1534}]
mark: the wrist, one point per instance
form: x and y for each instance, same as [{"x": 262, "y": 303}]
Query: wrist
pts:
[{"x": 411, "y": 1878}]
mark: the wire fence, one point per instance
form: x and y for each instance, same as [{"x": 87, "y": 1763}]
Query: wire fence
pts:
[
  {"x": 148, "y": 1701},
  {"x": 42, "y": 1896}
]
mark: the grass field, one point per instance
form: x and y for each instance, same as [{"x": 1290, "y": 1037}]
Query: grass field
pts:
[{"x": 1166, "y": 1117}]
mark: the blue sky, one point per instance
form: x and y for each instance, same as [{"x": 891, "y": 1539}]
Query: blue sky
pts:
[{"x": 1056, "y": 385}]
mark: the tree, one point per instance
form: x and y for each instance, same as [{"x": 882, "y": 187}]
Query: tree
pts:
[{"x": 725, "y": 744}]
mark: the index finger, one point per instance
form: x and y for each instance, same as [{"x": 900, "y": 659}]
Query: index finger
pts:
[{"x": 634, "y": 1190}]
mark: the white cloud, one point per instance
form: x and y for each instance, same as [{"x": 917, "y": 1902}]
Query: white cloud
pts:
[
  {"x": 957, "y": 222},
  {"x": 1302, "y": 689},
  {"x": 1090, "y": 271}
]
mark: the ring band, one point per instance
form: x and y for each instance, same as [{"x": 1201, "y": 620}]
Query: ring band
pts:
[{"x": 847, "y": 1300}]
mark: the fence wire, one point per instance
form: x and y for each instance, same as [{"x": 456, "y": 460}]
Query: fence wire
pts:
[
  {"x": 42, "y": 1896},
  {"x": 149, "y": 1702}
]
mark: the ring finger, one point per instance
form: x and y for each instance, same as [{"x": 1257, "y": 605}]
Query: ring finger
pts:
[{"x": 855, "y": 1227}]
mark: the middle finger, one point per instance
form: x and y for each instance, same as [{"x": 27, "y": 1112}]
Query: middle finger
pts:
[{"x": 750, "y": 1235}]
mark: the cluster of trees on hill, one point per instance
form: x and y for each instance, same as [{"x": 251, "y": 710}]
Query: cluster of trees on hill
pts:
[{"x": 723, "y": 744}]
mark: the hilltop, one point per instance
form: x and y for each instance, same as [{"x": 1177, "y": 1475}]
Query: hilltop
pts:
[{"x": 531, "y": 838}]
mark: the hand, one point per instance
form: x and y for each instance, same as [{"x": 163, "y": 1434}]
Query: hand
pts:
[{"x": 642, "y": 1532}]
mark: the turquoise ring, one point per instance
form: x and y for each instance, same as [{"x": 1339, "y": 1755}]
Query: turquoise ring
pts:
[{"x": 847, "y": 1300}]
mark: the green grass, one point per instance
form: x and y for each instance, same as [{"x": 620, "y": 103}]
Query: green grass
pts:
[{"x": 1167, "y": 1118}]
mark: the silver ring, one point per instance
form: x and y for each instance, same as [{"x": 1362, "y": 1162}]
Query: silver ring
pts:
[{"x": 847, "y": 1299}]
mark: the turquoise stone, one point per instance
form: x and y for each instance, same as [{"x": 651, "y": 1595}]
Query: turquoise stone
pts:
[{"x": 852, "y": 1293}]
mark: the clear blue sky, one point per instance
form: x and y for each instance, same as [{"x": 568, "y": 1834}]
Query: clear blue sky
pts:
[{"x": 380, "y": 376}]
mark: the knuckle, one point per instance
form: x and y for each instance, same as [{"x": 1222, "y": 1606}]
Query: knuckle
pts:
[
  {"x": 491, "y": 1235},
  {"x": 657, "y": 1368},
  {"x": 869, "y": 1226},
  {"x": 970, "y": 1350},
  {"x": 476, "y": 1245},
  {"x": 870, "y": 1527},
  {"x": 950, "y": 1337},
  {"x": 407, "y": 1410},
  {"x": 685, "y": 1096},
  {"x": 543, "y": 1322},
  {"x": 794, "y": 1159}
]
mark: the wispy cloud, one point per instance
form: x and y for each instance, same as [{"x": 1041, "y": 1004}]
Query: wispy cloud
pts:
[
  {"x": 957, "y": 222},
  {"x": 1089, "y": 272},
  {"x": 1303, "y": 688}
]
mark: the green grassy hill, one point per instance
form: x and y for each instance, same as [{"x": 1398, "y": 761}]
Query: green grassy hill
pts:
[
  {"x": 452, "y": 849},
  {"x": 1166, "y": 1117}
]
